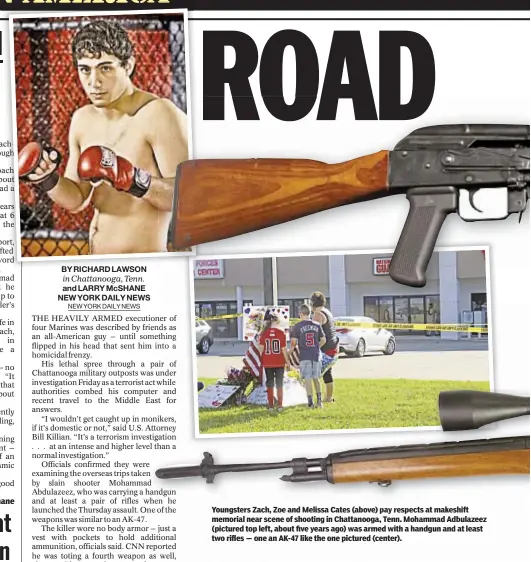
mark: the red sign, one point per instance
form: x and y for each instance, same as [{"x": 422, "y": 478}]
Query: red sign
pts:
[
  {"x": 380, "y": 266},
  {"x": 208, "y": 269}
]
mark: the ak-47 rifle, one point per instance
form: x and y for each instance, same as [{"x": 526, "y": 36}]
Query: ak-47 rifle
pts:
[
  {"x": 479, "y": 171},
  {"x": 460, "y": 410}
]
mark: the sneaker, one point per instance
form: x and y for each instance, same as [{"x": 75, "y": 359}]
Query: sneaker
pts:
[
  {"x": 271, "y": 409},
  {"x": 319, "y": 404},
  {"x": 280, "y": 409}
]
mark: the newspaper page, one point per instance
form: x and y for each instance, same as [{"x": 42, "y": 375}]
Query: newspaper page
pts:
[{"x": 263, "y": 279}]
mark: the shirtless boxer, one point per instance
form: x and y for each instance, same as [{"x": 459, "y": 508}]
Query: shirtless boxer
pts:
[{"x": 124, "y": 148}]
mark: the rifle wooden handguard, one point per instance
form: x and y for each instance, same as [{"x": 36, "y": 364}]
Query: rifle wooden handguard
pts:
[
  {"x": 217, "y": 199},
  {"x": 443, "y": 466}
]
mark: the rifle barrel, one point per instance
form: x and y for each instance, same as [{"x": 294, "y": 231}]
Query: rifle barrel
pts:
[
  {"x": 186, "y": 471},
  {"x": 208, "y": 469}
]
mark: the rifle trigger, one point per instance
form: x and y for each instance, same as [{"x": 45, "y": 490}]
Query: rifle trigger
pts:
[
  {"x": 382, "y": 483},
  {"x": 471, "y": 193},
  {"x": 520, "y": 217}
]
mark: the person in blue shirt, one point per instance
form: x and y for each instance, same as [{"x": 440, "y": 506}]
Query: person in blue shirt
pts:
[{"x": 309, "y": 337}]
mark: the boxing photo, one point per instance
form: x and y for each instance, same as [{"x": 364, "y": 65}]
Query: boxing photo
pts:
[
  {"x": 101, "y": 116},
  {"x": 329, "y": 342}
]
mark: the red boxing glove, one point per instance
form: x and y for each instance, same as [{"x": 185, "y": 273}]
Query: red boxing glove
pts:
[
  {"x": 98, "y": 163},
  {"x": 37, "y": 163}
]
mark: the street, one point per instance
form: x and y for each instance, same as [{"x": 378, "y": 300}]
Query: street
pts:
[{"x": 415, "y": 358}]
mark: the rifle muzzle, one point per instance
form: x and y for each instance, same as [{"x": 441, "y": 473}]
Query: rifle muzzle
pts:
[{"x": 471, "y": 409}]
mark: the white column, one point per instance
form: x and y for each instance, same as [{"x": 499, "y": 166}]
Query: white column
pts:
[
  {"x": 275, "y": 280},
  {"x": 337, "y": 284},
  {"x": 239, "y": 308},
  {"x": 449, "y": 292}
]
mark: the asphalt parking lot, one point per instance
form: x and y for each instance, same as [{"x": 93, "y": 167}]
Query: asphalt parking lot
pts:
[{"x": 416, "y": 358}]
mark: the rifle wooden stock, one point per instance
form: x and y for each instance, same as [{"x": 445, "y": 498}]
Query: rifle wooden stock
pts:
[
  {"x": 443, "y": 466},
  {"x": 217, "y": 199}
]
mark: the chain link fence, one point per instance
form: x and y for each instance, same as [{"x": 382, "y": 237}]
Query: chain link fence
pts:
[{"x": 48, "y": 92}]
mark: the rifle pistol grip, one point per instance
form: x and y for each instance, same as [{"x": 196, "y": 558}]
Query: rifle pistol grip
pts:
[{"x": 428, "y": 208}]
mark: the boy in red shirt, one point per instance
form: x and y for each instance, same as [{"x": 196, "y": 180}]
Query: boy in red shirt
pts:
[{"x": 275, "y": 358}]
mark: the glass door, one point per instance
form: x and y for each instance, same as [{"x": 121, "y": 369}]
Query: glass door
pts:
[
  {"x": 203, "y": 309},
  {"x": 293, "y": 306},
  {"x": 385, "y": 306},
  {"x": 433, "y": 315},
  {"x": 370, "y": 308},
  {"x": 220, "y": 326},
  {"x": 416, "y": 310},
  {"x": 401, "y": 306},
  {"x": 232, "y": 323},
  {"x": 479, "y": 303}
]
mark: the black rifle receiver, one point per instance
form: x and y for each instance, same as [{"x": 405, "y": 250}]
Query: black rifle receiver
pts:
[
  {"x": 471, "y": 409},
  {"x": 479, "y": 171}
]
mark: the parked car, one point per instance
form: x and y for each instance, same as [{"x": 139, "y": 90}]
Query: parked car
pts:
[
  {"x": 204, "y": 337},
  {"x": 355, "y": 342}
]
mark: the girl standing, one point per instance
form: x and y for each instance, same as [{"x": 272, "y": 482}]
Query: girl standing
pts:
[{"x": 275, "y": 358}]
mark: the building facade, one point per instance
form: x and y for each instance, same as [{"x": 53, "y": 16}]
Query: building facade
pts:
[{"x": 355, "y": 285}]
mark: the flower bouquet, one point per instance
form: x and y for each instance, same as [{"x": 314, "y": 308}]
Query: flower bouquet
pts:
[{"x": 238, "y": 377}]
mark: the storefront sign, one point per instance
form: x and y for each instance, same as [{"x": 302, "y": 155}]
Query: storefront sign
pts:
[
  {"x": 208, "y": 269},
  {"x": 380, "y": 266}
]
